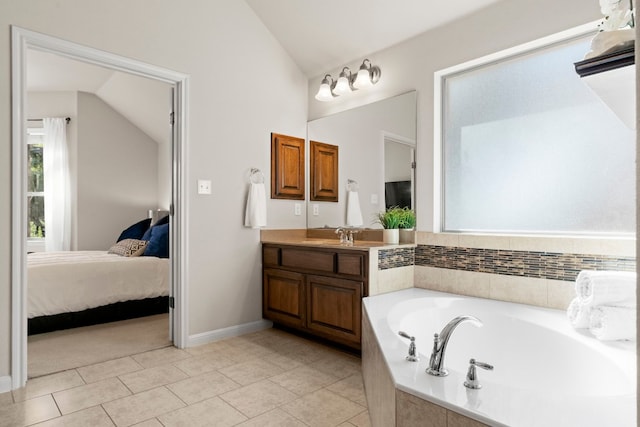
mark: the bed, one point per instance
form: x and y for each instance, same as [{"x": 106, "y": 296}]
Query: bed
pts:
[{"x": 80, "y": 288}]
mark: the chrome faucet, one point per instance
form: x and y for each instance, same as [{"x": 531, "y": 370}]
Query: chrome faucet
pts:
[
  {"x": 346, "y": 235},
  {"x": 440, "y": 341}
]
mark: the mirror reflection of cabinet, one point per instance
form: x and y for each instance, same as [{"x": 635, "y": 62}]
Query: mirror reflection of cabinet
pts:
[
  {"x": 324, "y": 172},
  {"x": 287, "y": 167},
  {"x": 362, "y": 134}
]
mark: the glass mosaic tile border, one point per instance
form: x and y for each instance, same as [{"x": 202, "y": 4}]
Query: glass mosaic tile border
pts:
[
  {"x": 393, "y": 258},
  {"x": 543, "y": 265}
]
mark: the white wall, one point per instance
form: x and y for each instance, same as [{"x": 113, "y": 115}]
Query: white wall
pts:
[
  {"x": 359, "y": 135},
  {"x": 397, "y": 162},
  {"x": 148, "y": 109},
  {"x": 164, "y": 176},
  {"x": 117, "y": 174},
  {"x": 231, "y": 114},
  {"x": 114, "y": 167},
  {"x": 411, "y": 64}
]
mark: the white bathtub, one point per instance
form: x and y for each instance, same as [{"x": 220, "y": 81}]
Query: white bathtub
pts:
[{"x": 546, "y": 373}]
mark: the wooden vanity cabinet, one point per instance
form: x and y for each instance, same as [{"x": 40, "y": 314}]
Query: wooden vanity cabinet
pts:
[{"x": 315, "y": 290}]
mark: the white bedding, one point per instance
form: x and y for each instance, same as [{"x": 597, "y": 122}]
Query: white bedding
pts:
[{"x": 60, "y": 282}]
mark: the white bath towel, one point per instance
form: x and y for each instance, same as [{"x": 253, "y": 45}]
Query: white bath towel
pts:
[
  {"x": 354, "y": 214},
  {"x": 617, "y": 288},
  {"x": 613, "y": 323},
  {"x": 256, "y": 213},
  {"x": 579, "y": 314}
]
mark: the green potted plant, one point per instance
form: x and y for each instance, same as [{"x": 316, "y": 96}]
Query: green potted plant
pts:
[
  {"x": 407, "y": 225},
  {"x": 390, "y": 220}
]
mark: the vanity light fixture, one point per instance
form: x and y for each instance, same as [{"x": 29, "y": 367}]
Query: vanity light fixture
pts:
[
  {"x": 367, "y": 76},
  {"x": 325, "y": 93}
]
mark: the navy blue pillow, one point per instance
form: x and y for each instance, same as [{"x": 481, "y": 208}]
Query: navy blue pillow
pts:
[
  {"x": 158, "y": 244},
  {"x": 163, "y": 220},
  {"x": 136, "y": 231},
  {"x": 147, "y": 234}
]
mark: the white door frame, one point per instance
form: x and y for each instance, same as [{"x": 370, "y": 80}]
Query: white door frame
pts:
[
  {"x": 398, "y": 139},
  {"x": 21, "y": 40}
]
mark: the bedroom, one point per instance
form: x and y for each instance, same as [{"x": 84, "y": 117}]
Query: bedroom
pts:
[
  {"x": 118, "y": 173},
  {"x": 231, "y": 113}
]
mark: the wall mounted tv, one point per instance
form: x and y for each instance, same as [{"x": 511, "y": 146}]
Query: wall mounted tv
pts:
[{"x": 397, "y": 193}]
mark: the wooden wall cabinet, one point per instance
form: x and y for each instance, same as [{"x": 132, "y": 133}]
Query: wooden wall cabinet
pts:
[
  {"x": 324, "y": 172},
  {"x": 316, "y": 290},
  {"x": 287, "y": 167}
]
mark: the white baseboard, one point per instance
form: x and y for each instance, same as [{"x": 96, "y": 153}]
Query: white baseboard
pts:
[
  {"x": 5, "y": 384},
  {"x": 231, "y": 331}
]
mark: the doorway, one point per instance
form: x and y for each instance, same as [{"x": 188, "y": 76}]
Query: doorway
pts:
[
  {"x": 22, "y": 41},
  {"x": 399, "y": 165}
]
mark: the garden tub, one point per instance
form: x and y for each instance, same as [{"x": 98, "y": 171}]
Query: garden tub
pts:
[{"x": 545, "y": 372}]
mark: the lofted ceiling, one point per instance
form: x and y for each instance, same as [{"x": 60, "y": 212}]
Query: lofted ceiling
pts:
[
  {"x": 319, "y": 36},
  {"x": 324, "y": 35},
  {"x": 148, "y": 110}
]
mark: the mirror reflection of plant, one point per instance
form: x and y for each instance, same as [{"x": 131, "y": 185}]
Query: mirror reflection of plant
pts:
[
  {"x": 407, "y": 218},
  {"x": 391, "y": 218}
]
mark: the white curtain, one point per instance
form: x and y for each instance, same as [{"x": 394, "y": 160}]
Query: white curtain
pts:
[{"x": 57, "y": 187}]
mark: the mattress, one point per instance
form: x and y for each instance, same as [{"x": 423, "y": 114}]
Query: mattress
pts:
[{"x": 61, "y": 282}]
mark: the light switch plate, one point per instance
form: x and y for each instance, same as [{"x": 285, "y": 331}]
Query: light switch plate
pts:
[
  {"x": 374, "y": 199},
  {"x": 297, "y": 209},
  {"x": 204, "y": 186}
]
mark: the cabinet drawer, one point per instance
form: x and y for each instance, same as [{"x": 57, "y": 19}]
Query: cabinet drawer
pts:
[
  {"x": 271, "y": 256},
  {"x": 308, "y": 260},
  {"x": 351, "y": 264}
]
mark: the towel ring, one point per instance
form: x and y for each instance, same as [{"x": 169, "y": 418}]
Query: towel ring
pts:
[
  {"x": 352, "y": 185},
  {"x": 257, "y": 176}
]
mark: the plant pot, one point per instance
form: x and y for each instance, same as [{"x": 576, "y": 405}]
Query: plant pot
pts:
[
  {"x": 391, "y": 236},
  {"x": 407, "y": 235}
]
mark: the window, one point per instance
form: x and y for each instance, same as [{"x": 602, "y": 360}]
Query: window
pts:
[
  {"x": 527, "y": 147},
  {"x": 35, "y": 184}
]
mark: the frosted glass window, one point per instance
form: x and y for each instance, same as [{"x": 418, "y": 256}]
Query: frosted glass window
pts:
[{"x": 529, "y": 148}]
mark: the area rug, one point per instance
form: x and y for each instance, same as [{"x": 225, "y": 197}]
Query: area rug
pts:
[{"x": 73, "y": 348}]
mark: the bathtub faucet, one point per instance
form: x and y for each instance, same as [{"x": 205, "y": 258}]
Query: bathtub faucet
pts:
[{"x": 440, "y": 341}]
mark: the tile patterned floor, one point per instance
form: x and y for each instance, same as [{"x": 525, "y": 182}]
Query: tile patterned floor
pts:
[{"x": 268, "y": 378}]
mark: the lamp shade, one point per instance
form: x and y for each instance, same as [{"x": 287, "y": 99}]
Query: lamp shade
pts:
[
  {"x": 363, "y": 79},
  {"x": 342, "y": 86},
  {"x": 324, "y": 93}
]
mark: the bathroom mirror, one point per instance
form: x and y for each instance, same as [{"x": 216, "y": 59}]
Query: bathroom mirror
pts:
[{"x": 377, "y": 149}]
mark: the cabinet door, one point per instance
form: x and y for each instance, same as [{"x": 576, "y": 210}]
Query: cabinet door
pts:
[
  {"x": 287, "y": 167},
  {"x": 283, "y": 297},
  {"x": 334, "y": 308},
  {"x": 324, "y": 172}
]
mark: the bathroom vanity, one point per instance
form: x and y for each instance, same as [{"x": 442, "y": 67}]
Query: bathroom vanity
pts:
[{"x": 316, "y": 287}]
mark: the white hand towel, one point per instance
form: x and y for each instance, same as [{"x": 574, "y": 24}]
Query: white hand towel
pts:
[
  {"x": 354, "y": 214},
  {"x": 578, "y": 314},
  {"x": 606, "y": 288},
  {"x": 613, "y": 323},
  {"x": 256, "y": 213}
]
